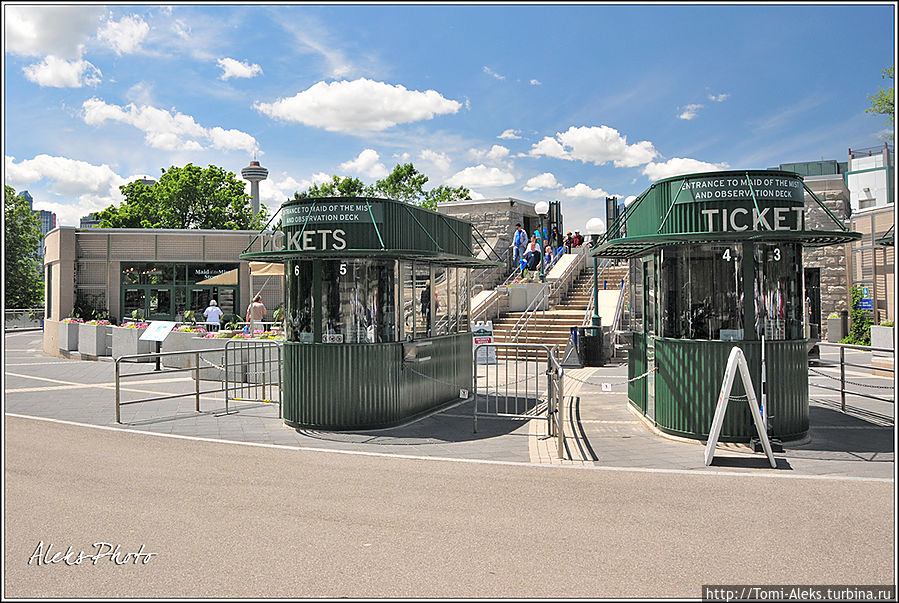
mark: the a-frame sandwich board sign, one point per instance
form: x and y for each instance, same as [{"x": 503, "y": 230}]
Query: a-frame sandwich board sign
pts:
[{"x": 737, "y": 360}]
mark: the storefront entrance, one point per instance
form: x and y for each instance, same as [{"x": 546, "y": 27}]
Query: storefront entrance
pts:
[{"x": 167, "y": 291}]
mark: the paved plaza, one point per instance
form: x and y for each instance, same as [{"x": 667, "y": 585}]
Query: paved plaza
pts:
[{"x": 601, "y": 430}]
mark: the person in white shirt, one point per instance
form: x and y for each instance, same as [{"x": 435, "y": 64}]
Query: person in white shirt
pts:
[{"x": 213, "y": 316}]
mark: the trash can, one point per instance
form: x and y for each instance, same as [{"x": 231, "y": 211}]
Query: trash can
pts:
[{"x": 589, "y": 346}]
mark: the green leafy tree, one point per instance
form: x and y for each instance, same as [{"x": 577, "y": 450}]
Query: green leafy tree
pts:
[
  {"x": 882, "y": 102},
  {"x": 24, "y": 279},
  {"x": 184, "y": 198},
  {"x": 336, "y": 187},
  {"x": 404, "y": 183},
  {"x": 860, "y": 320}
]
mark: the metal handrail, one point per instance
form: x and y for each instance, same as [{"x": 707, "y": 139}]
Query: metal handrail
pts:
[
  {"x": 555, "y": 391},
  {"x": 843, "y": 364},
  {"x": 138, "y": 357},
  {"x": 554, "y": 287}
]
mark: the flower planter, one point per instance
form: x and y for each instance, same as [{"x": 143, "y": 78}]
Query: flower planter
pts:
[
  {"x": 68, "y": 336},
  {"x": 92, "y": 340},
  {"x": 126, "y": 342},
  {"x": 882, "y": 337},
  {"x": 179, "y": 341}
]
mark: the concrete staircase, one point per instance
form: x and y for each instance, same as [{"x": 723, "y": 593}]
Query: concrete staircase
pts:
[{"x": 553, "y": 326}]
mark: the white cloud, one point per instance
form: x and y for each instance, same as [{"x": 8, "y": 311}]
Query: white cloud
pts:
[
  {"x": 544, "y": 180},
  {"x": 276, "y": 191},
  {"x": 598, "y": 145},
  {"x": 359, "y": 105},
  {"x": 403, "y": 157},
  {"x": 678, "y": 166},
  {"x": 481, "y": 175},
  {"x": 440, "y": 160},
  {"x": 367, "y": 164},
  {"x": 314, "y": 38},
  {"x": 163, "y": 130},
  {"x": 234, "y": 68},
  {"x": 536, "y": 82},
  {"x": 492, "y": 73},
  {"x": 124, "y": 36},
  {"x": 510, "y": 134},
  {"x": 61, "y": 31},
  {"x": 581, "y": 190},
  {"x": 94, "y": 186},
  {"x": 495, "y": 153},
  {"x": 720, "y": 98},
  {"x": 140, "y": 93},
  {"x": 60, "y": 73},
  {"x": 689, "y": 111},
  {"x": 630, "y": 199}
]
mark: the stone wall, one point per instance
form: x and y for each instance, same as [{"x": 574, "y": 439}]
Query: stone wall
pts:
[
  {"x": 495, "y": 220},
  {"x": 832, "y": 260}
]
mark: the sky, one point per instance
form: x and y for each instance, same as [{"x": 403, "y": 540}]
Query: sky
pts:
[{"x": 538, "y": 102}]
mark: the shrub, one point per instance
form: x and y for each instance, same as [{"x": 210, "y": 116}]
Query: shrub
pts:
[{"x": 860, "y": 327}]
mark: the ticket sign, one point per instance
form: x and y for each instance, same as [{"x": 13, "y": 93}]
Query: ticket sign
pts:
[
  {"x": 482, "y": 334},
  {"x": 158, "y": 330}
]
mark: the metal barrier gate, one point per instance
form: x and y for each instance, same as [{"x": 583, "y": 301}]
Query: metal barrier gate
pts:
[
  {"x": 252, "y": 371},
  {"x": 516, "y": 391}
]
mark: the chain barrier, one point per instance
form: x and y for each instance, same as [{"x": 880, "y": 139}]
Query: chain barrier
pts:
[
  {"x": 847, "y": 381},
  {"x": 627, "y": 381}
]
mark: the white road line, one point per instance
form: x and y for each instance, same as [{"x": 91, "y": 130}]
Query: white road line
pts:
[{"x": 470, "y": 461}]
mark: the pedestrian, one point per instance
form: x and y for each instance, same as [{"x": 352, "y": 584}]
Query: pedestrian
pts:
[
  {"x": 255, "y": 313},
  {"x": 568, "y": 242},
  {"x": 555, "y": 239},
  {"x": 213, "y": 316},
  {"x": 549, "y": 258},
  {"x": 426, "y": 306},
  {"x": 532, "y": 253},
  {"x": 578, "y": 239},
  {"x": 519, "y": 239}
]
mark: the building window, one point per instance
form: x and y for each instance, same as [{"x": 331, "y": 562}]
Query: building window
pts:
[
  {"x": 298, "y": 309},
  {"x": 358, "y": 301}
]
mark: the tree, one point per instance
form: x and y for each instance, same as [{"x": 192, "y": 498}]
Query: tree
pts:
[
  {"x": 860, "y": 320},
  {"x": 183, "y": 198},
  {"x": 336, "y": 187},
  {"x": 882, "y": 102},
  {"x": 24, "y": 278},
  {"x": 404, "y": 183}
]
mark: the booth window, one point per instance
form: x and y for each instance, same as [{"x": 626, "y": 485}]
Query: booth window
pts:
[
  {"x": 358, "y": 301},
  {"x": 298, "y": 309},
  {"x": 778, "y": 291},
  {"x": 701, "y": 291}
]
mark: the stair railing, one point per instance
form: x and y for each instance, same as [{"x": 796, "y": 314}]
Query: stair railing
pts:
[{"x": 549, "y": 291}]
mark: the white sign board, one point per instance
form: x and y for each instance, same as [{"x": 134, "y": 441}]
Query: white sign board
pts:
[
  {"x": 482, "y": 333},
  {"x": 158, "y": 330},
  {"x": 735, "y": 361}
]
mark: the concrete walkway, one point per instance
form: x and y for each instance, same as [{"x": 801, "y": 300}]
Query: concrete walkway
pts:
[{"x": 602, "y": 430}]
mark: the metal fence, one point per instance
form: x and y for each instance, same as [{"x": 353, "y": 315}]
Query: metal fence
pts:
[
  {"x": 193, "y": 355},
  {"x": 511, "y": 387},
  {"x": 253, "y": 371},
  {"x": 853, "y": 387},
  {"x": 23, "y": 318}
]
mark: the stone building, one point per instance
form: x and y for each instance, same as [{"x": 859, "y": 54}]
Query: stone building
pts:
[{"x": 494, "y": 223}]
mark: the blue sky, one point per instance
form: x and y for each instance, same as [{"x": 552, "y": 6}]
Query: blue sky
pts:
[{"x": 537, "y": 102}]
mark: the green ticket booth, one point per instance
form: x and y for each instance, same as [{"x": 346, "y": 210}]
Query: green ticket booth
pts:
[
  {"x": 716, "y": 262},
  {"x": 377, "y": 311}
]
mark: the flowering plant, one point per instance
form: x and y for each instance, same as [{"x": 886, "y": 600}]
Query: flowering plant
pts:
[
  {"x": 72, "y": 319},
  {"x": 209, "y": 336},
  {"x": 136, "y": 325},
  {"x": 190, "y": 329},
  {"x": 97, "y": 322}
]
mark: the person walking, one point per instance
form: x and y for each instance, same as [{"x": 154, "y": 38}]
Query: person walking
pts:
[
  {"x": 213, "y": 316},
  {"x": 519, "y": 239},
  {"x": 255, "y": 313},
  {"x": 425, "y": 305}
]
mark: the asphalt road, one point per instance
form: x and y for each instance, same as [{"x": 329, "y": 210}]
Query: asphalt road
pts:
[{"x": 228, "y": 520}]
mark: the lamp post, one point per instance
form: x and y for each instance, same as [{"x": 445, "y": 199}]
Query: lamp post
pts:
[
  {"x": 542, "y": 208},
  {"x": 595, "y": 228}
]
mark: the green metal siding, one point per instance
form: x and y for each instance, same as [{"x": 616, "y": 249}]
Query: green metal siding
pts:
[
  {"x": 636, "y": 365},
  {"x": 367, "y": 386},
  {"x": 689, "y": 378}
]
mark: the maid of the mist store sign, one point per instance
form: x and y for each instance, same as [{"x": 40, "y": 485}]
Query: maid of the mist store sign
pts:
[
  {"x": 725, "y": 203},
  {"x": 315, "y": 216}
]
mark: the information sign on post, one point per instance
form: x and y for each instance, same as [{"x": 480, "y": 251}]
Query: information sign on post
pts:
[
  {"x": 866, "y": 303},
  {"x": 482, "y": 333},
  {"x": 158, "y": 330}
]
